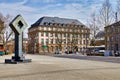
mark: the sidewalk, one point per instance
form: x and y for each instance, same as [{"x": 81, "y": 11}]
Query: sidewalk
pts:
[{"x": 45, "y": 67}]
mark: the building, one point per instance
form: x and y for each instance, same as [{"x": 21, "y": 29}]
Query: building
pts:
[
  {"x": 10, "y": 45},
  {"x": 112, "y": 37},
  {"x": 50, "y": 34},
  {"x": 100, "y": 38}
]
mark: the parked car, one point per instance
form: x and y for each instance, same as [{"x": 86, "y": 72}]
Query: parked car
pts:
[
  {"x": 2, "y": 53},
  {"x": 101, "y": 51},
  {"x": 58, "y": 52},
  {"x": 70, "y": 52},
  {"x": 96, "y": 53}
]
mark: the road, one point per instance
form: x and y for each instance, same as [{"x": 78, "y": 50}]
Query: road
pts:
[
  {"x": 58, "y": 68},
  {"x": 92, "y": 58}
]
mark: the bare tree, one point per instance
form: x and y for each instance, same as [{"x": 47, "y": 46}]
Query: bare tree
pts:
[
  {"x": 33, "y": 43},
  {"x": 94, "y": 27},
  {"x": 118, "y": 10},
  {"x": 5, "y": 30},
  {"x": 106, "y": 14},
  {"x": 1, "y": 27},
  {"x": 99, "y": 21}
]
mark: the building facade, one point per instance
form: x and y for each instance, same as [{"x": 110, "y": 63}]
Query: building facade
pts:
[
  {"x": 112, "y": 37},
  {"x": 50, "y": 34},
  {"x": 100, "y": 38},
  {"x": 11, "y": 49}
]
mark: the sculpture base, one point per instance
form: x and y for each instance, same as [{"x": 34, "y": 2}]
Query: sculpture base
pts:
[{"x": 12, "y": 61}]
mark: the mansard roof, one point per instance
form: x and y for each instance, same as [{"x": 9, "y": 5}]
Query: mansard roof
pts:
[
  {"x": 57, "y": 20},
  {"x": 100, "y": 34}
]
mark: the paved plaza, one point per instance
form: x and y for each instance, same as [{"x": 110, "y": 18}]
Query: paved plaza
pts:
[{"x": 57, "y": 68}]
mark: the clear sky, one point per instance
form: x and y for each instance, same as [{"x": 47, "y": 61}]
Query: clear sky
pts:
[{"x": 32, "y": 10}]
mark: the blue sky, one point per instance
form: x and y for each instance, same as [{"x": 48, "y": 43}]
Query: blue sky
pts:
[{"x": 32, "y": 10}]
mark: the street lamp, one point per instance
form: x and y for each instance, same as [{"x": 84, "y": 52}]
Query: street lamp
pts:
[{"x": 86, "y": 41}]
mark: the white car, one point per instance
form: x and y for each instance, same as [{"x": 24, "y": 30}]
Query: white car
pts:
[{"x": 101, "y": 51}]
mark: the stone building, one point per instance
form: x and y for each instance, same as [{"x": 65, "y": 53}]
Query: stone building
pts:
[
  {"x": 112, "y": 37},
  {"x": 100, "y": 38},
  {"x": 51, "y": 34},
  {"x": 10, "y": 45}
]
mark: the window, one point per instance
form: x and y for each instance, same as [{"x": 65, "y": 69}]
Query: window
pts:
[
  {"x": 116, "y": 30},
  {"x": 68, "y": 35},
  {"x": 111, "y": 30},
  {"x": 117, "y": 37},
  {"x": 107, "y": 30},
  {"x": 42, "y": 34},
  {"x": 46, "y": 34},
  {"x": 42, "y": 28},
  {"x": 49, "y": 23},
  {"x": 55, "y": 41},
  {"x": 61, "y": 35},
  {"x": 65, "y": 29},
  {"x": 87, "y": 42},
  {"x": 58, "y": 24},
  {"x": 107, "y": 38},
  {"x": 51, "y": 41},
  {"x": 53, "y": 29},
  {"x": 39, "y": 28},
  {"x": 68, "y": 41},
  {"x": 80, "y": 42},
  {"x": 76, "y": 35},
  {"x": 111, "y": 38},
  {"x": 55, "y": 34},
  {"x": 87, "y": 36},
  {"x": 59, "y": 29},
  {"x": 47, "y": 41},
  {"x": 62, "y": 29},
  {"x": 65, "y": 41},
  {"x": 84, "y": 36},
  {"x": 45, "y": 23},
  {"x": 82, "y": 30},
  {"x": 62, "y": 25},
  {"x": 42, "y": 41},
  {"x": 49, "y": 29},
  {"x": 53, "y": 24},
  {"x": 45, "y": 28},
  {"x": 64, "y": 35},
  {"x": 77, "y": 41},
  {"x": 51, "y": 35},
  {"x": 84, "y": 41}
]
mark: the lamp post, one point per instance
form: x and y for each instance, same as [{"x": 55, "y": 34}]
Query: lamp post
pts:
[{"x": 86, "y": 42}]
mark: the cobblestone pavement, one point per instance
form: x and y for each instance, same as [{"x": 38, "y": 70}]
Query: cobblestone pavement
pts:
[{"x": 54, "y": 68}]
